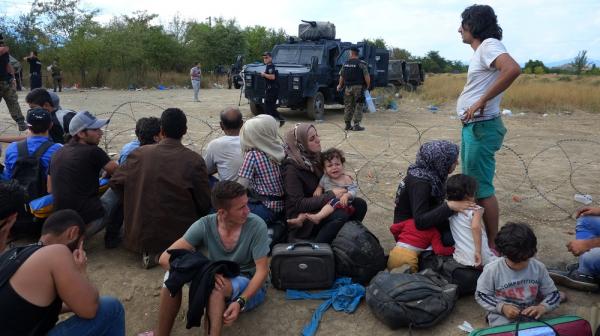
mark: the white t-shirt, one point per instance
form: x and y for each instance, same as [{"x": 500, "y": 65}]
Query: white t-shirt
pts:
[
  {"x": 225, "y": 155},
  {"x": 480, "y": 77},
  {"x": 464, "y": 245}
]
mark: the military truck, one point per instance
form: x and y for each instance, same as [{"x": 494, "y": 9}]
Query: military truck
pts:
[
  {"x": 409, "y": 75},
  {"x": 308, "y": 69}
]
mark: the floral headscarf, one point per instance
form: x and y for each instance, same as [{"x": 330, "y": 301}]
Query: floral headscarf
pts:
[{"x": 433, "y": 164}]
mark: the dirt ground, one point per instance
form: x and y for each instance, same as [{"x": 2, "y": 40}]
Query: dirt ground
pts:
[{"x": 545, "y": 161}]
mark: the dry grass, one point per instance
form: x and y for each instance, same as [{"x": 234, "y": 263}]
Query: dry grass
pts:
[{"x": 533, "y": 93}]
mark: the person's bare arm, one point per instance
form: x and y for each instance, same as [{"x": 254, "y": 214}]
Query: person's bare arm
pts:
[
  {"x": 111, "y": 167},
  {"x": 12, "y": 138},
  {"x": 509, "y": 71},
  {"x": 580, "y": 246},
  {"x": 4, "y": 50},
  {"x": 49, "y": 184},
  {"x": 476, "y": 232},
  {"x": 69, "y": 274},
  {"x": 179, "y": 244},
  {"x": 340, "y": 83}
]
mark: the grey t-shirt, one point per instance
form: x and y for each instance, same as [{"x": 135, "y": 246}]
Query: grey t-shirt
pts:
[
  {"x": 253, "y": 243},
  {"x": 224, "y": 155}
]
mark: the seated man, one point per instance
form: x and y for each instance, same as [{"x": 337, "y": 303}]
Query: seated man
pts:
[
  {"x": 40, "y": 98},
  {"x": 75, "y": 169},
  {"x": 12, "y": 198},
  {"x": 164, "y": 188},
  {"x": 584, "y": 275},
  {"x": 224, "y": 155},
  {"x": 49, "y": 278},
  {"x": 147, "y": 132},
  {"x": 233, "y": 234}
]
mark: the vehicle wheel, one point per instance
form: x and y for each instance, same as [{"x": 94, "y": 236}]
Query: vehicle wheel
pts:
[
  {"x": 410, "y": 87},
  {"x": 315, "y": 106},
  {"x": 256, "y": 109}
]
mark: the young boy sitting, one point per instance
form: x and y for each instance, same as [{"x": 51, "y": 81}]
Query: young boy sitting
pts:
[{"x": 516, "y": 284}]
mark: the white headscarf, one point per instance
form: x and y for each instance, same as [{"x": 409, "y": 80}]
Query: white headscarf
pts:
[{"x": 260, "y": 133}]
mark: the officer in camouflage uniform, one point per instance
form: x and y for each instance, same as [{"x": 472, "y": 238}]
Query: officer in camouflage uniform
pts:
[
  {"x": 354, "y": 75},
  {"x": 8, "y": 86}
]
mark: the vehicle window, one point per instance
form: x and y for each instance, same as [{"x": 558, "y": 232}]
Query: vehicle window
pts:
[{"x": 297, "y": 55}]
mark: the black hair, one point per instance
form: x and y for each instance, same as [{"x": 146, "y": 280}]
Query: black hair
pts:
[
  {"x": 224, "y": 191},
  {"x": 146, "y": 129},
  {"x": 231, "y": 121},
  {"x": 331, "y": 154},
  {"x": 39, "y": 97},
  {"x": 173, "y": 123},
  {"x": 37, "y": 129},
  {"x": 459, "y": 187},
  {"x": 12, "y": 198},
  {"x": 516, "y": 241},
  {"x": 61, "y": 220},
  {"x": 481, "y": 22}
]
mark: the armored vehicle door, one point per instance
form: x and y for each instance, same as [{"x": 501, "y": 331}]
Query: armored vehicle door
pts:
[{"x": 382, "y": 58}]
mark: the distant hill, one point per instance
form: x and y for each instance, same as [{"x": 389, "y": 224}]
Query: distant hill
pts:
[{"x": 557, "y": 64}]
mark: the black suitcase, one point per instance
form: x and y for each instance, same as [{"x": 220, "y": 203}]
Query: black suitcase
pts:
[{"x": 302, "y": 265}]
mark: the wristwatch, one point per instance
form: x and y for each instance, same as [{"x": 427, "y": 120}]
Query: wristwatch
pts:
[{"x": 241, "y": 300}]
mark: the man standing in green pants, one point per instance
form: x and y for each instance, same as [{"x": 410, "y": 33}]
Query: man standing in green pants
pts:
[
  {"x": 491, "y": 71},
  {"x": 355, "y": 76}
]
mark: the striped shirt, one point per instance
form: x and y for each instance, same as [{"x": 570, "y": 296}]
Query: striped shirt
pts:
[{"x": 264, "y": 176}]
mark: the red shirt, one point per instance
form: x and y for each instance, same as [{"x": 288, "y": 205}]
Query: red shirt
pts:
[{"x": 406, "y": 232}]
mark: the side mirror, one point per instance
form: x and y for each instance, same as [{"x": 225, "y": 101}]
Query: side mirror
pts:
[{"x": 314, "y": 63}]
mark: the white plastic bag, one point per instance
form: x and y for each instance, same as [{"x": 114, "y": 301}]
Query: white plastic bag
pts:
[{"x": 369, "y": 101}]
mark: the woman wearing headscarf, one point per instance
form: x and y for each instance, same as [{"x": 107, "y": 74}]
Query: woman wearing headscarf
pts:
[
  {"x": 261, "y": 172},
  {"x": 302, "y": 170},
  {"x": 422, "y": 197}
]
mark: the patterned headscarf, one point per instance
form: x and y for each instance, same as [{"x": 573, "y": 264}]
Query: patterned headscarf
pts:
[
  {"x": 260, "y": 133},
  {"x": 296, "y": 148},
  {"x": 433, "y": 164}
]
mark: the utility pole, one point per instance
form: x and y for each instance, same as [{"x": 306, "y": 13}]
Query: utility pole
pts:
[{"x": 209, "y": 21}]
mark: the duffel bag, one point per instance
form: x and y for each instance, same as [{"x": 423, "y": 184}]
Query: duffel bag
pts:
[
  {"x": 567, "y": 325},
  {"x": 465, "y": 277}
]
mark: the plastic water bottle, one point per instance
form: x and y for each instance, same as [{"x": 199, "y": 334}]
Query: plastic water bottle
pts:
[{"x": 585, "y": 199}]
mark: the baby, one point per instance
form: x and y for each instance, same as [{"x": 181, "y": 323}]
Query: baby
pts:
[{"x": 334, "y": 177}]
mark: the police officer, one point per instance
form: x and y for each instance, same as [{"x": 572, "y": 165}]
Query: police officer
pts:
[
  {"x": 35, "y": 70},
  {"x": 271, "y": 88},
  {"x": 354, "y": 75},
  {"x": 8, "y": 86}
]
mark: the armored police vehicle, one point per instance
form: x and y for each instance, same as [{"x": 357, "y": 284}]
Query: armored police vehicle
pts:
[
  {"x": 409, "y": 75},
  {"x": 308, "y": 70}
]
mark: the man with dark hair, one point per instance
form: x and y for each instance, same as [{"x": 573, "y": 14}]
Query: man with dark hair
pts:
[
  {"x": 50, "y": 278},
  {"x": 75, "y": 169},
  {"x": 12, "y": 198},
  {"x": 41, "y": 98},
  {"x": 271, "y": 77},
  {"x": 195, "y": 76},
  {"x": 35, "y": 70},
  {"x": 147, "y": 131},
  {"x": 354, "y": 76},
  {"x": 232, "y": 234},
  {"x": 164, "y": 188},
  {"x": 224, "y": 155},
  {"x": 8, "y": 86},
  {"x": 491, "y": 71}
]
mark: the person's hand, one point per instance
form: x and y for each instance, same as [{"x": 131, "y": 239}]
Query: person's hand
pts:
[
  {"x": 470, "y": 113},
  {"x": 461, "y": 206},
  {"x": 231, "y": 313},
  {"x": 339, "y": 88},
  {"x": 220, "y": 282},
  {"x": 587, "y": 211},
  {"x": 534, "y": 311},
  {"x": 345, "y": 199},
  {"x": 477, "y": 259},
  {"x": 80, "y": 257},
  {"x": 511, "y": 312},
  {"x": 318, "y": 192},
  {"x": 578, "y": 247},
  {"x": 262, "y": 74},
  {"x": 339, "y": 192}
]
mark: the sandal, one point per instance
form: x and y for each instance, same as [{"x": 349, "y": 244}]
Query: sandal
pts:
[{"x": 149, "y": 260}]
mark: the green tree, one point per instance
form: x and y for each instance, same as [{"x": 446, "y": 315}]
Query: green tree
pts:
[
  {"x": 60, "y": 19},
  {"x": 533, "y": 64},
  {"x": 401, "y": 54},
  {"x": 260, "y": 39},
  {"x": 580, "y": 62},
  {"x": 378, "y": 42},
  {"x": 217, "y": 44},
  {"x": 539, "y": 70}
]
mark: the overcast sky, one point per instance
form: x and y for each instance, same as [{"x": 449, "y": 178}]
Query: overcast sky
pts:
[{"x": 549, "y": 30}]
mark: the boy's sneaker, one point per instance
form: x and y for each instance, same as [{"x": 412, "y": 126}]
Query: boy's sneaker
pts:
[{"x": 574, "y": 279}]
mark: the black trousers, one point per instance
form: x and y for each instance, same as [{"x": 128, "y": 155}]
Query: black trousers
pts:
[
  {"x": 329, "y": 227},
  {"x": 35, "y": 80},
  {"x": 270, "y": 106}
]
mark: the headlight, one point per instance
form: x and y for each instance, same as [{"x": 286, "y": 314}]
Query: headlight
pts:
[
  {"x": 296, "y": 80},
  {"x": 248, "y": 77},
  {"x": 296, "y": 87}
]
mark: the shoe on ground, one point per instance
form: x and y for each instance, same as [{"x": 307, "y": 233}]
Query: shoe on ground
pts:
[
  {"x": 357, "y": 127},
  {"x": 575, "y": 280},
  {"x": 348, "y": 127},
  {"x": 149, "y": 260}
]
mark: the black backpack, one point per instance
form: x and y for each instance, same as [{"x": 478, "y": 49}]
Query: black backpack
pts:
[
  {"x": 358, "y": 253},
  {"x": 465, "y": 277},
  {"x": 11, "y": 260},
  {"x": 418, "y": 300},
  {"x": 29, "y": 171}
]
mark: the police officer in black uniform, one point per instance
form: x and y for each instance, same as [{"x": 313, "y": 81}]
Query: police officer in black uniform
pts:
[
  {"x": 271, "y": 88},
  {"x": 354, "y": 76},
  {"x": 35, "y": 70}
]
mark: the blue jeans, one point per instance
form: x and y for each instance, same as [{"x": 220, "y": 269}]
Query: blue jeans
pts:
[
  {"x": 196, "y": 87},
  {"x": 109, "y": 321},
  {"x": 588, "y": 227},
  {"x": 262, "y": 211},
  {"x": 239, "y": 284}
]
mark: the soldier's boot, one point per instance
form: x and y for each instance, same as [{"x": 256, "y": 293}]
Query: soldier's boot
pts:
[
  {"x": 357, "y": 127},
  {"x": 348, "y": 126}
]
